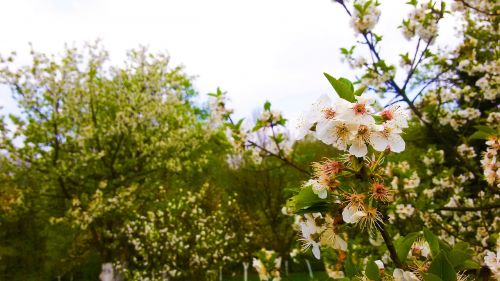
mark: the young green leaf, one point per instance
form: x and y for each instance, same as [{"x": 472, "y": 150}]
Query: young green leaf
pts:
[
  {"x": 442, "y": 267},
  {"x": 306, "y": 200},
  {"x": 350, "y": 268},
  {"x": 267, "y": 106},
  {"x": 470, "y": 264},
  {"x": 431, "y": 277},
  {"x": 403, "y": 245},
  {"x": 479, "y": 135},
  {"x": 360, "y": 91},
  {"x": 342, "y": 86},
  {"x": 372, "y": 271},
  {"x": 433, "y": 242}
]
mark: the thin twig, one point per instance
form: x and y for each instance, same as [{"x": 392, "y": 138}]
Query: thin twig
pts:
[
  {"x": 270, "y": 153},
  {"x": 478, "y": 10}
]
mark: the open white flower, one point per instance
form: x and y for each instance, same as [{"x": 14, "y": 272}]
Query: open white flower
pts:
[
  {"x": 359, "y": 112},
  {"x": 388, "y": 138},
  {"x": 319, "y": 189},
  {"x": 335, "y": 132},
  {"x": 331, "y": 239},
  {"x": 401, "y": 275},
  {"x": 352, "y": 214},
  {"x": 420, "y": 248},
  {"x": 321, "y": 111},
  {"x": 492, "y": 260},
  {"x": 310, "y": 230},
  {"x": 395, "y": 115},
  {"x": 361, "y": 137}
]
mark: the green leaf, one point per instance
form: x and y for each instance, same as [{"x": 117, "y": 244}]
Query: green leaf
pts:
[
  {"x": 443, "y": 8},
  {"x": 486, "y": 129},
  {"x": 444, "y": 246},
  {"x": 433, "y": 242},
  {"x": 347, "y": 83},
  {"x": 372, "y": 271},
  {"x": 306, "y": 201},
  {"x": 360, "y": 91},
  {"x": 464, "y": 246},
  {"x": 457, "y": 257},
  {"x": 403, "y": 245},
  {"x": 238, "y": 125},
  {"x": 470, "y": 264},
  {"x": 350, "y": 268},
  {"x": 480, "y": 135},
  {"x": 342, "y": 86},
  {"x": 258, "y": 125},
  {"x": 431, "y": 277},
  {"x": 460, "y": 253},
  {"x": 442, "y": 268},
  {"x": 378, "y": 119},
  {"x": 267, "y": 106}
]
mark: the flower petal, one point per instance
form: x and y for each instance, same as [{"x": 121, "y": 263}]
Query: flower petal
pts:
[
  {"x": 316, "y": 251},
  {"x": 358, "y": 149},
  {"x": 379, "y": 142},
  {"x": 396, "y": 143}
]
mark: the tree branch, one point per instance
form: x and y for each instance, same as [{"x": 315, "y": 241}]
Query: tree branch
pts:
[
  {"x": 390, "y": 246},
  {"x": 288, "y": 162},
  {"x": 477, "y": 9}
]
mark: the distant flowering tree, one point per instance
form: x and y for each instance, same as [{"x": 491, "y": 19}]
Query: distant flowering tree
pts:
[
  {"x": 89, "y": 150},
  {"x": 189, "y": 237},
  {"x": 267, "y": 264}
]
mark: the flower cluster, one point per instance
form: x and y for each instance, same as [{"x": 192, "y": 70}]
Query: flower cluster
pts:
[
  {"x": 317, "y": 231},
  {"x": 187, "y": 238},
  {"x": 422, "y": 21},
  {"x": 491, "y": 165},
  {"x": 365, "y": 16},
  {"x": 270, "y": 118},
  {"x": 492, "y": 261},
  {"x": 267, "y": 264},
  {"x": 219, "y": 112},
  {"x": 352, "y": 125},
  {"x": 353, "y": 185}
]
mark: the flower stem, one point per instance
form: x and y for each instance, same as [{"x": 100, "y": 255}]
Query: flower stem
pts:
[{"x": 390, "y": 246}]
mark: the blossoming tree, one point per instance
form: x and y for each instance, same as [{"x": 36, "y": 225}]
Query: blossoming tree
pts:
[{"x": 428, "y": 205}]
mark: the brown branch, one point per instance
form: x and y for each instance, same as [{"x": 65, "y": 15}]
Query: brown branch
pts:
[
  {"x": 477, "y": 9},
  {"x": 286, "y": 161},
  {"x": 390, "y": 246}
]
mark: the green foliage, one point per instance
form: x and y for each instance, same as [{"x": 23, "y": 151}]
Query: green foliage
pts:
[
  {"x": 433, "y": 241},
  {"x": 372, "y": 271},
  {"x": 187, "y": 236},
  {"x": 342, "y": 86},
  {"x": 442, "y": 268},
  {"x": 91, "y": 148},
  {"x": 306, "y": 201},
  {"x": 403, "y": 245}
]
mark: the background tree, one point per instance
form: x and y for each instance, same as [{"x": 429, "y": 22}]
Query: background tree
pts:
[{"x": 92, "y": 146}]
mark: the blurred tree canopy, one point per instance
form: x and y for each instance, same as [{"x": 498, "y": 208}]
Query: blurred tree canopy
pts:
[{"x": 92, "y": 146}]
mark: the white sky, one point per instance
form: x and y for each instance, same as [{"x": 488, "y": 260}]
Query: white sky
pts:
[{"x": 256, "y": 50}]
